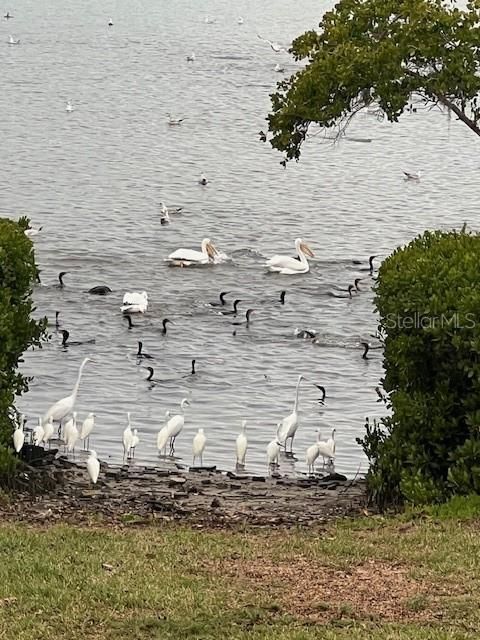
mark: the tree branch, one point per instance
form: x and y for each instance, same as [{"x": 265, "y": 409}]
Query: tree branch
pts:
[{"x": 459, "y": 113}]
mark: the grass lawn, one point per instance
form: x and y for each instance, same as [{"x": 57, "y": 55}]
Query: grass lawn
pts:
[{"x": 415, "y": 576}]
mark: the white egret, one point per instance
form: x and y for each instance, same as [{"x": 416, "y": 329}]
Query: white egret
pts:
[
  {"x": 135, "y": 302},
  {"x": 93, "y": 466},
  {"x": 175, "y": 424},
  {"x": 198, "y": 446},
  {"x": 291, "y": 266},
  {"x": 241, "y": 444},
  {"x": 135, "y": 441},
  {"x": 48, "y": 431},
  {"x": 326, "y": 448},
  {"x": 86, "y": 430},
  {"x": 19, "y": 435},
  {"x": 312, "y": 455},
  {"x": 38, "y": 433},
  {"x": 186, "y": 257},
  {"x": 71, "y": 435},
  {"x": 162, "y": 436},
  {"x": 63, "y": 407},
  {"x": 127, "y": 437},
  {"x": 273, "y": 452},
  {"x": 289, "y": 425}
]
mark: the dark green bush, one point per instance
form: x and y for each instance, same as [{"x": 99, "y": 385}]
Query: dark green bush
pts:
[
  {"x": 18, "y": 330},
  {"x": 428, "y": 300}
]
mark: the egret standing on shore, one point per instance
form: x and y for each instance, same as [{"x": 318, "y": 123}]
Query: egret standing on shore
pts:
[
  {"x": 198, "y": 447},
  {"x": 93, "y": 466},
  {"x": 241, "y": 445}
]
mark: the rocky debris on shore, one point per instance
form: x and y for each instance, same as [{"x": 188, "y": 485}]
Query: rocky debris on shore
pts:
[{"x": 205, "y": 496}]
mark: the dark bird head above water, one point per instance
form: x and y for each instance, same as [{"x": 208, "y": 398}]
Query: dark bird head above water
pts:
[
  {"x": 282, "y": 297},
  {"x": 366, "y": 347},
  {"x": 355, "y": 282},
  {"x": 247, "y": 318},
  {"x": 351, "y": 288},
  {"x": 164, "y": 323},
  {"x": 60, "y": 278},
  {"x": 57, "y": 321},
  {"x": 263, "y": 136},
  {"x": 66, "y": 335},
  {"x": 151, "y": 372},
  {"x": 370, "y": 262},
  {"x": 222, "y": 296},
  {"x": 324, "y": 393}
]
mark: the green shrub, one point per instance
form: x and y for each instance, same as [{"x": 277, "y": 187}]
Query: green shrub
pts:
[
  {"x": 429, "y": 306},
  {"x": 18, "y": 330}
]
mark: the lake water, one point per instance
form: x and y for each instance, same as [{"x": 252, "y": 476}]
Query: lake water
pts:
[{"x": 94, "y": 179}]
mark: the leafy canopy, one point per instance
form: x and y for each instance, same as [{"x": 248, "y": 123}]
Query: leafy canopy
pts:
[{"x": 380, "y": 52}]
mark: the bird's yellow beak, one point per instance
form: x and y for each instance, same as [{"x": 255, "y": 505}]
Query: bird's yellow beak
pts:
[
  {"x": 211, "y": 250},
  {"x": 306, "y": 249}
]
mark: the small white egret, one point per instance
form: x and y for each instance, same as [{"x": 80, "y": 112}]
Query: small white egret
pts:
[
  {"x": 241, "y": 444},
  {"x": 198, "y": 446},
  {"x": 175, "y": 424},
  {"x": 326, "y": 448},
  {"x": 71, "y": 434},
  {"x": 135, "y": 441},
  {"x": 86, "y": 429},
  {"x": 273, "y": 452},
  {"x": 312, "y": 455},
  {"x": 48, "y": 431},
  {"x": 162, "y": 436},
  {"x": 127, "y": 437},
  {"x": 93, "y": 466},
  {"x": 289, "y": 425},
  {"x": 19, "y": 435},
  {"x": 38, "y": 433},
  {"x": 291, "y": 266},
  {"x": 63, "y": 407}
]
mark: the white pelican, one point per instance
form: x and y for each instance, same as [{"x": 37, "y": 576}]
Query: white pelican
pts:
[
  {"x": 191, "y": 57},
  {"x": 19, "y": 435},
  {"x": 289, "y": 425},
  {"x": 86, "y": 429},
  {"x": 135, "y": 302},
  {"x": 12, "y": 40},
  {"x": 93, "y": 466},
  {"x": 38, "y": 433},
  {"x": 326, "y": 448},
  {"x": 186, "y": 257},
  {"x": 69, "y": 108},
  {"x": 198, "y": 446},
  {"x": 31, "y": 231},
  {"x": 275, "y": 47},
  {"x": 63, "y": 407},
  {"x": 241, "y": 444},
  {"x": 175, "y": 424},
  {"x": 291, "y": 266}
]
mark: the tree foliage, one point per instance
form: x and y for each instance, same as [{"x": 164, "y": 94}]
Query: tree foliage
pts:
[
  {"x": 429, "y": 306},
  {"x": 18, "y": 330},
  {"x": 380, "y": 52}
]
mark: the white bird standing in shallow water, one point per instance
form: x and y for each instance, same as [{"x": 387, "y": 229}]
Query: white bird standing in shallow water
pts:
[
  {"x": 71, "y": 434},
  {"x": 241, "y": 445},
  {"x": 162, "y": 436},
  {"x": 312, "y": 455},
  {"x": 48, "y": 431},
  {"x": 127, "y": 437},
  {"x": 289, "y": 425},
  {"x": 86, "y": 430},
  {"x": 93, "y": 466},
  {"x": 292, "y": 266},
  {"x": 38, "y": 433},
  {"x": 186, "y": 257},
  {"x": 175, "y": 424},
  {"x": 19, "y": 435},
  {"x": 326, "y": 448},
  {"x": 273, "y": 451},
  {"x": 198, "y": 446},
  {"x": 135, "y": 441},
  {"x": 63, "y": 407}
]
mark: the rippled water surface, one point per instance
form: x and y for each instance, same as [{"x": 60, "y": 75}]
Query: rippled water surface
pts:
[{"x": 94, "y": 179}]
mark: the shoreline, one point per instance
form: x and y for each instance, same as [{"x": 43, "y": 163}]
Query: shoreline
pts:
[{"x": 200, "y": 496}]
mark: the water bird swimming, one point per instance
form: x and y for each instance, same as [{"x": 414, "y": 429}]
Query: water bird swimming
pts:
[
  {"x": 412, "y": 176},
  {"x": 274, "y": 46},
  {"x": 31, "y": 231},
  {"x": 100, "y": 290},
  {"x": 57, "y": 321},
  {"x": 351, "y": 289},
  {"x": 186, "y": 257},
  {"x": 191, "y": 57},
  {"x": 165, "y": 219},
  {"x": 240, "y": 20},
  {"x": 69, "y": 108},
  {"x": 140, "y": 353},
  {"x": 165, "y": 321},
  {"x": 370, "y": 264},
  {"x": 209, "y": 20},
  {"x": 263, "y": 136},
  {"x": 8, "y": 15},
  {"x": 129, "y": 320},
  {"x": 241, "y": 445},
  {"x": 12, "y": 40},
  {"x": 279, "y": 69},
  {"x": 222, "y": 302},
  {"x": 174, "y": 122},
  {"x": 203, "y": 180},
  {"x": 93, "y": 466},
  {"x": 291, "y": 266},
  {"x": 61, "y": 283},
  {"x": 60, "y": 410},
  {"x": 110, "y": 23},
  {"x": 245, "y": 322},
  {"x": 66, "y": 343},
  {"x": 198, "y": 446},
  {"x": 231, "y": 312},
  {"x": 304, "y": 334},
  {"x": 366, "y": 349},
  {"x": 135, "y": 302}
]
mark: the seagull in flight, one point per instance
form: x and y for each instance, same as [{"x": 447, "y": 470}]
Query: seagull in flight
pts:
[{"x": 276, "y": 47}]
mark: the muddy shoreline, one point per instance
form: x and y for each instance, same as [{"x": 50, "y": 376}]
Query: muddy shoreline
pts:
[{"x": 205, "y": 497}]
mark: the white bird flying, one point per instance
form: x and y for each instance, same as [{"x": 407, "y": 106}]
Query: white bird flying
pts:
[
  {"x": 93, "y": 466},
  {"x": 186, "y": 257},
  {"x": 63, "y": 407},
  {"x": 135, "y": 302},
  {"x": 198, "y": 446},
  {"x": 275, "y": 47},
  {"x": 241, "y": 444},
  {"x": 291, "y": 266}
]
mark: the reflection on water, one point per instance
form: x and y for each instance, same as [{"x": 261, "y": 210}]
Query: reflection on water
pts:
[{"x": 94, "y": 180}]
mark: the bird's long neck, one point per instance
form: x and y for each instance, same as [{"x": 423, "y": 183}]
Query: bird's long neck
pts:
[
  {"x": 295, "y": 406},
  {"x": 77, "y": 384},
  {"x": 193, "y": 367}
]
